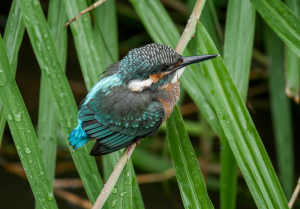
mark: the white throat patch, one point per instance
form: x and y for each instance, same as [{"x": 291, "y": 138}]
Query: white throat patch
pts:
[
  {"x": 177, "y": 75},
  {"x": 139, "y": 85}
]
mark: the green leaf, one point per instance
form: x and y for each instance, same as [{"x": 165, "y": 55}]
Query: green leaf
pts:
[
  {"x": 107, "y": 31},
  {"x": 136, "y": 193},
  {"x": 125, "y": 184},
  {"x": 61, "y": 94},
  {"x": 282, "y": 21},
  {"x": 281, "y": 112},
  {"x": 12, "y": 39},
  {"x": 239, "y": 35},
  {"x": 155, "y": 164},
  {"x": 121, "y": 195},
  {"x": 23, "y": 134},
  {"x": 86, "y": 43},
  {"x": 158, "y": 24},
  {"x": 239, "y": 129},
  {"x": 47, "y": 121},
  {"x": 292, "y": 69},
  {"x": 188, "y": 174}
]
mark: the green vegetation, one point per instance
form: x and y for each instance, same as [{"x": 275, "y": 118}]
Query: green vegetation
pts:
[{"x": 257, "y": 49}]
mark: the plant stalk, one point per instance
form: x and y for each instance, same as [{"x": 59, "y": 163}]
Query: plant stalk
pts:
[
  {"x": 295, "y": 194},
  {"x": 190, "y": 28},
  {"x": 114, "y": 177},
  {"x": 93, "y": 6}
]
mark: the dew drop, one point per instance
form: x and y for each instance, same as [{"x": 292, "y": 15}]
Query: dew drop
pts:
[
  {"x": 18, "y": 116},
  {"x": 42, "y": 173},
  {"x": 27, "y": 150},
  {"x": 50, "y": 196},
  {"x": 18, "y": 147},
  {"x": 30, "y": 176},
  {"x": 35, "y": 4},
  {"x": 122, "y": 194},
  {"x": 115, "y": 190},
  {"x": 9, "y": 117},
  {"x": 113, "y": 202}
]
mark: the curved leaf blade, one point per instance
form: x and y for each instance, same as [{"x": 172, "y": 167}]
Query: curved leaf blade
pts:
[
  {"x": 23, "y": 134},
  {"x": 47, "y": 121},
  {"x": 282, "y": 20},
  {"x": 292, "y": 68},
  {"x": 60, "y": 91},
  {"x": 281, "y": 112},
  {"x": 13, "y": 36},
  {"x": 239, "y": 36},
  {"x": 239, "y": 129},
  {"x": 188, "y": 174}
]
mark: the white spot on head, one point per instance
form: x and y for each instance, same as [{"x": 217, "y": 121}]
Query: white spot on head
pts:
[
  {"x": 177, "y": 75},
  {"x": 139, "y": 85}
]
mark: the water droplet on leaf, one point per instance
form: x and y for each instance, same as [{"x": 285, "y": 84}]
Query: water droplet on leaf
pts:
[
  {"x": 27, "y": 150},
  {"x": 50, "y": 196},
  {"x": 113, "y": 202},
  {"x": 115, "y": 190}
]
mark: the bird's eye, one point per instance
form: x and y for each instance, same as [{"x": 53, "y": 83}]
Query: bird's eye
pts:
[{"x": 164, "y": 69}]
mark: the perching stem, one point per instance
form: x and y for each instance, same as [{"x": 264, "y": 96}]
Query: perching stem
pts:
[
  {"x": 113, "y": 177},
  {"x": 93, "y": 6},
  {"x": 190, "y": 28},
  {"x": 295, "y": 194}
]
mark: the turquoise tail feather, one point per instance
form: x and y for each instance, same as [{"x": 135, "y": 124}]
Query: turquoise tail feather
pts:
[{"x": 78, "y": 137}]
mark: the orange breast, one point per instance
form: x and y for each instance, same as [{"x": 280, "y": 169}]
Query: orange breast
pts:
[{"x": 173, "y": 91}]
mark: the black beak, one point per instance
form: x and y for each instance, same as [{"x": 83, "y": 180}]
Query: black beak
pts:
[{"x": 194, "y": 59}]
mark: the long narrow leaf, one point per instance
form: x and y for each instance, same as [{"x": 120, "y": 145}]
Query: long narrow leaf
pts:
[
  {"x": 239, "y": 36},
  {"x": 158, "y": 24},
  {"x": 282, "y": 20},
  {"x": 23, "y": 134},
  {"x": 86, "y": 43},
  {"x": 281, "y": 112},
  {"x": 107, "y": 31},
  {"x": 188, "y": 174},
  {"x": 12, "y": 39},
  {"x": 292, "y": 73},
  {"x": 59, "y": 89},
  {"x": 239, "y": 129},
  {"x": 47, "y": 121}
]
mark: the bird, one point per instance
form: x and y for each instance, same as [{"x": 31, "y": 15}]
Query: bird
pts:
[{"x": 132, "y": 99}]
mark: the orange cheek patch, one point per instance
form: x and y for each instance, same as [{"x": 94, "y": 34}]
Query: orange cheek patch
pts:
[
  {"x": 177, "y": 64},
  {"x": 155, "y": 77}
]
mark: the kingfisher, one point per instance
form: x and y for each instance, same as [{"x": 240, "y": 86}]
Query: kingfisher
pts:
[{"x": 130, "y": 102}]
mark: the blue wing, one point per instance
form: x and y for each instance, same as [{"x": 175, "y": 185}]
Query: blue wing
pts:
[{"x": 117, "y": 118}]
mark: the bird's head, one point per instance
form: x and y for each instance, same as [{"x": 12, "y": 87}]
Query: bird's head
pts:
[{"x": 154, "y": 65}]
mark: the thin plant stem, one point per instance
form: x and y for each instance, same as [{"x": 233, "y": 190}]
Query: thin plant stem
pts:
[
  {"x": 111, "y": 182},
  {"x": 190, "y": 28},
  {"x": 93, "y": 6},
  {"x": 295, "y": 194}
]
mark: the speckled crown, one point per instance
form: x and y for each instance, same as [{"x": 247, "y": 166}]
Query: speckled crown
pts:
[{"x": 147, "y": 60}]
